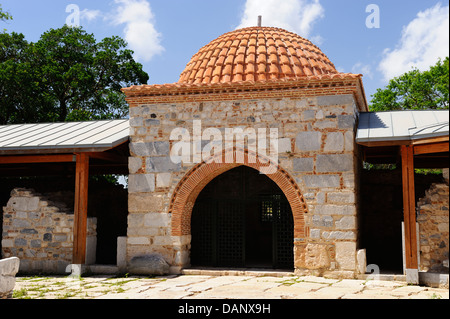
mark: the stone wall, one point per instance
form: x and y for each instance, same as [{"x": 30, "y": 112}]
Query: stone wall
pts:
[
  {"x": 434, "y": 228},
  {"x": 316, "y": 148},
  {"x": 40, "y": 233}
]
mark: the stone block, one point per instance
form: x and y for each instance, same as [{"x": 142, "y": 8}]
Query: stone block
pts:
[
  {"x": 122, "y": 253},
  {"x": 153, "y": 264},
  {"x": 136, "y": 121},
  {"x": 325, "y": 124},
  {"x": 161, "y": 165},
  {"x": 341, "y": 197},
  {"x": 20, "y": 223},
  {"x": 346, "y": 121},
  {"x": 346, "y": 255},
  {"x": 334, "y": 142},
  {"x": 7, "y": 284},
  {"x": 335, "y": 100},
  {"x": 284, "y": 145},
  {"x": 308, "y": 141},
  {"x": 138, "y": 241},
  {"x": 91, "y": 250},
  {"x": 349, "y": 235},
  {"x": 150, "y": 149},
  {"x": 349, "y": 141},
  {"x": 335, "y": 209},
  {"x": 144, "y": 203},
  {"x": 321, "y": 181},
  {"x": 151, "y": 122},
  {"x": 135, "y": 220},
  {"x": 308, "y": 115},
  {"x": 20, "y": 242},
  {"x": 156, "y": 220},
  {"x": 9, "y": 266},
  {"x": 24, "y": 204},
  {"x": 311, "y": 256},
  {"x": 7, "y": 243},
  {"x": 163, "y": 180},
  {"x": 346, "y": 222},
  {"x": 322, "y": 221},
  {"x": 361, "y": 261},
  {"x": 134, "y": 164},
  {"x": 334, "y": 163},
  {"x": 8, "y": 270},
  {"x": 181, "y": 258},
  {"x": 303, "y": 164},
  {"x": 349, "y": 180},
  {"x": 314, "y": 233},
  {"x": 141, "y": 183}
]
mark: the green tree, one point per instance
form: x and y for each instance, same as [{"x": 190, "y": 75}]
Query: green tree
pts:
[
  {"x": 4, "y": 15},
  {"x": 21, "y": 97},
  {"x": 415, "y": 90},
  {"x": 71, "y": 75}
]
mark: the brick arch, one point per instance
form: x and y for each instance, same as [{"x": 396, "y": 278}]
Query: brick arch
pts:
[{"x": 190, "y": 186}]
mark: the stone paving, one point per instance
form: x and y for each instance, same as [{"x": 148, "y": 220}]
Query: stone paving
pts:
[{"x": 217, "y": 287}]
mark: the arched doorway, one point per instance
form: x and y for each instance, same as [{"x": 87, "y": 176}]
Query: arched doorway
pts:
[{"x": 242, "y": 219}]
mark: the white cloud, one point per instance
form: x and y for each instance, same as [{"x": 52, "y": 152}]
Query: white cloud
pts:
[
  {"x": 296, "y": 16},
  {"x": 139, "y": 31},
  {"x": 364, "y": 69},
  {"x": 89, "y": 15},
  {"x": 424, "y": 40}
]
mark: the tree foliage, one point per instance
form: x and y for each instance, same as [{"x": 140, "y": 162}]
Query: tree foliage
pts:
[
  {"x": 65, "y": 76},
  {"x": 415, "y": 90},
  {"x": 4, "y": 15}
]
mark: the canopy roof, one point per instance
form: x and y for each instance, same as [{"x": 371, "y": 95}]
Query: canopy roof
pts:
[
  {"x": 53, "y": 148},
  {"x": 93, "y": 136},
  {"x": 398, "y": 127},
  {"x": 382, "y": 134}
]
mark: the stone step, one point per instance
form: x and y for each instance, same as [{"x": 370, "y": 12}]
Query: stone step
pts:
[{"x": 237, "y": 272}]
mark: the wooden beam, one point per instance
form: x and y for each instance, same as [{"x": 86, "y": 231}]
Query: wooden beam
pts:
[
  {"x": 32, "y": 159},
  {"x": 81, "y": 205},
  {"x": 385, "y": 143},
  {"x": 409, "y": 207},
  {"x": 108, "y": 157},
  {"x": 441, "y": 147},
  {"x": 431, "y": 140}
]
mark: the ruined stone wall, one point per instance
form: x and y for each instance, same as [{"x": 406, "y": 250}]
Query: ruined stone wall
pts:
[
  {"x": 40, "y": 233},
  {"x": 434, "y": 228},
  {"x": 316, "y": 148}
]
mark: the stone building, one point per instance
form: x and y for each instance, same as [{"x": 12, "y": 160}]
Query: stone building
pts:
[
  {"x": 199, "y": 195},
  {"x": 253, "y": 159}
]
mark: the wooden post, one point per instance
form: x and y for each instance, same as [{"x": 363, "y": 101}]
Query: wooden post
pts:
[
  {"x": 409, "y": 213},
  {"x": 81, "y": 205}
]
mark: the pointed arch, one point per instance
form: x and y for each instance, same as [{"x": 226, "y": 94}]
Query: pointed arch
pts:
[{"x": 190, "y": 186}]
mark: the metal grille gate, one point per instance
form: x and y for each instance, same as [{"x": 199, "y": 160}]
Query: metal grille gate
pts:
[{"x": 219, "y": 231}]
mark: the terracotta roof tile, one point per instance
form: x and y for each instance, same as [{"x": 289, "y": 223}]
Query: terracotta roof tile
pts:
[{"x": 256, "y": 54}]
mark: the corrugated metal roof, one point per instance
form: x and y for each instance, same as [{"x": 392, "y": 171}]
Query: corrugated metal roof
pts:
[
  {"x": 98, "y": 135},
  {"x": 402, "y": 125}
]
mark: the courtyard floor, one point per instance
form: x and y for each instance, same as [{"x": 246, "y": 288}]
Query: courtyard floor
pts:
[{"x": 217, "y": 287}]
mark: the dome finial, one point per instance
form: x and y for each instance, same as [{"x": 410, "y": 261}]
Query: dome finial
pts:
[{"x": 259, "y": 21}]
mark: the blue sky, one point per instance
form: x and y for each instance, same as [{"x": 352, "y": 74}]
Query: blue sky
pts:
[{"x": 165, "y": 34}]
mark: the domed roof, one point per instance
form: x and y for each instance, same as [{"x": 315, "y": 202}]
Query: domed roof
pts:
[{"x": 256, "y": 54}]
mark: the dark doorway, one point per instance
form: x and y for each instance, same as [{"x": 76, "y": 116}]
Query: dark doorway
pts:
[
  {"x": 242, "y": 219},
  {"x": 382, "y": 215}
]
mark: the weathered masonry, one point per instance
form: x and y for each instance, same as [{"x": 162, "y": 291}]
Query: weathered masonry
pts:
[
  {"x": 46, "y": 237},
  {"x": 218, "y": 212}
]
